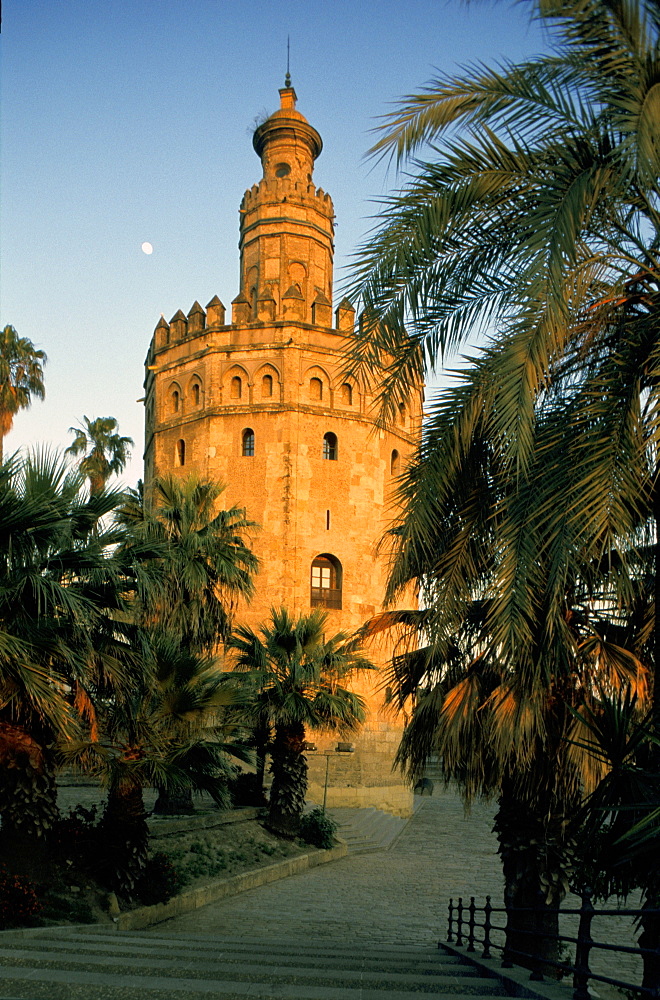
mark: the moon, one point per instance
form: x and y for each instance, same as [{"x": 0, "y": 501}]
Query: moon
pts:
[{"x": 147, "y": 248}]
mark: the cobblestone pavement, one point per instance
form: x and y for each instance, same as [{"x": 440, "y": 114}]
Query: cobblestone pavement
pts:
[{"x": 398, "y": 895}]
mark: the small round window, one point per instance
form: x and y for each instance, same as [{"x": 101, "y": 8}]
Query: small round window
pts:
[{"x": 282, "y": 170}]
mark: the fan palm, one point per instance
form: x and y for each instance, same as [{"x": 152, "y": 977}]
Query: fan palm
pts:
[
  {"x": 21, "y": 377},
  {"x": 298, "y": 679},
  {"x": 171, "y": 728},
  {"x": 203, "y": 562},
  {"x": 105, "y": 452},
  {"x": 57, "y": 590}
]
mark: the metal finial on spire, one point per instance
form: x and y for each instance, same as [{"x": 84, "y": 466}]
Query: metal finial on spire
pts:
[{"x": 287, "y": 78}]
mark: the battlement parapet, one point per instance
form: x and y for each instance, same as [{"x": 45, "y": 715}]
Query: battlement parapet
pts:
[{"x": 284, "y": 189}]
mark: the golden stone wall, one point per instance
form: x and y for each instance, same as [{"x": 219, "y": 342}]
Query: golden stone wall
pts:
[{"x": 276, "y": 371}]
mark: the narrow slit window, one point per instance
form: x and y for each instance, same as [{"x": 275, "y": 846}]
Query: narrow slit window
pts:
[
  {"x": 327, "y": 520},
  {"x": 175, "y": 401},
  {"x": 395, "y": 463},
  {"x": 315, "y": 389},
  {"x": 330, "y": 446},
  {"x": 180, "y": 453},
  {"x": 196, "y": 393},
  {"x": 267, "y": 386},
  {"x": 236, "y": 387},
  {"x": 347, "y": 394},
  {"x": 248, "y": 442}
]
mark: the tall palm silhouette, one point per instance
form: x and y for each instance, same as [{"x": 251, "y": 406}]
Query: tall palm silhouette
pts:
[
  {"x": 104, "y": 451},
  {"x": 21, "y": 377}
]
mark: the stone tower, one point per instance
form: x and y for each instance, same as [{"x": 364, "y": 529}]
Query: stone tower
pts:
[{"x": 261, "y": 405}]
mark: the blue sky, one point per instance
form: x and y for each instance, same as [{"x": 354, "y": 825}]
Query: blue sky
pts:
[{"x": 126, "y": 121}]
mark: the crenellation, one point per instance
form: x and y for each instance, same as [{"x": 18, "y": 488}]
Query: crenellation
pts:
[
  {"x": 178, "y": 326},
  {"x": 215, "y": 312},
  {"x": 196, "y": 318}
]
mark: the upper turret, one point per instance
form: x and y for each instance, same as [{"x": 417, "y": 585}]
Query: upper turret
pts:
[
  {"x": 287, "y": 225},
  {"x": 286, "y": 142}
]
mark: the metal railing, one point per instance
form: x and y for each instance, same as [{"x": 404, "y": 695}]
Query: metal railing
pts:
[{"x": 465, "y": 929}]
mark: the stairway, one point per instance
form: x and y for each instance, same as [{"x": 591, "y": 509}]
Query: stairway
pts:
[
  {"x": 95, "y": 964},
  {"x": 367, "y": 830}
]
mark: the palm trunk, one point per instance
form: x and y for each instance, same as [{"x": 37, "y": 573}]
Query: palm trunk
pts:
[
  {"x": 530, "y": 840},
  {"x": 125, "y": 838},
  {"x": 289, "y": 788},
  {"x": 650, "y": 922}
]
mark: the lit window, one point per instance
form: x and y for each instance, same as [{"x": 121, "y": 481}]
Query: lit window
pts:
[
  {"x": 267, "y": 385},
  {"x": 236, "y": 387},
  {"x": 180, "y": 453},
  {"x": 326, "y": 583},
  {"x": 330, "y": 446},
  {"x": 347, "y": 394},
  {"x": 315, "y": 388},
  {"x": 395, "y": 463},
  {"x": 248, "y": 442}
]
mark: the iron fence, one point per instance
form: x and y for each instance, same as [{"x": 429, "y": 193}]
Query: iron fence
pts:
[{"x": 465, "y": 929}]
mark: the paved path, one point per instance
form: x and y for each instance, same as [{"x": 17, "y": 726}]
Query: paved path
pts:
[{"x": 398, "y": 895}]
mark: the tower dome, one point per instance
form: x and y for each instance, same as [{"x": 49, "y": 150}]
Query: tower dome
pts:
[{"x": 286, "y": 143}]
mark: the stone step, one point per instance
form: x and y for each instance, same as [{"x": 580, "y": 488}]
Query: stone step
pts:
[
  {"x": 227, "y": 955},
  {"x": 179, "y": 967},
  {"x": 367, "y": 829},
  {"x": 116, "y": 966}
]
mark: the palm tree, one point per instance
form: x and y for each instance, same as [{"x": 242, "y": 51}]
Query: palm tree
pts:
[
  {"x": 536, "y": 217},
  {"x": 173, "y": 728},
  {"x": 201, "y": 564},
  {"x": 298, "y": 677},
  {"x": 518, "y": 620},
  {"x": 58, "y": 589},
  {"x": 196, "y": 564},
  {"x": 105, "y": 452},
  {"x": 21, "y": 377}
]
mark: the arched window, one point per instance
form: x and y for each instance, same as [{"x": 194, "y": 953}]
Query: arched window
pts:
[
  {"x": 247, "y": 446},
  {"x": 330, "y": 446},
  {"x": 180, "y": 452},
  {"x": 175, "y": 401},
  {"x": 196, "y": 393},
  {"x": 253, "y": 300},
  {"x": 395, "y": 463},
  {"x": 347, "y": 394},
  {"x": 236, "y": 390},
  {"x": 315, "y": 388},
  {"x": 325, "y": 591},
  {"x": 267, "y": 385},
  {"x": 402, "y": 413}
]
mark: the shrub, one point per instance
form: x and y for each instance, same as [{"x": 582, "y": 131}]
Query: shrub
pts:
[
  {"x": 19, "y": 905},
  {"x": 158, "y": 881},
  {"x": 75, "y": 838},
  {"x": 318, "y": 829}
]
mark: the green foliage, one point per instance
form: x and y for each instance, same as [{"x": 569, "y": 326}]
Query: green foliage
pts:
[
  {"x": 317, "y": 828},
  {"x": 19, "y": 903}
]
